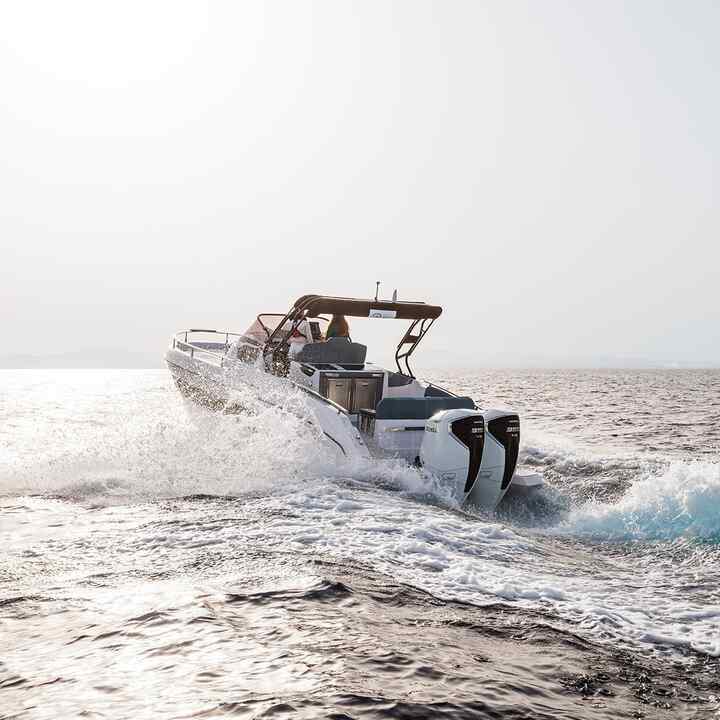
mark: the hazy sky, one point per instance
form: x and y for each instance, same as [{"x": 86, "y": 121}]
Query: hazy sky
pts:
[{"x": 546, "y": 171}]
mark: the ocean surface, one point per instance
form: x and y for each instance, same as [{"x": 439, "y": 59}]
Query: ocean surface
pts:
[{"x": 158, "y": 560}]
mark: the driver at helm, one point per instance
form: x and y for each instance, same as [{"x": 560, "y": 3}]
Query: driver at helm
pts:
[{"x": 338, "y": 327}]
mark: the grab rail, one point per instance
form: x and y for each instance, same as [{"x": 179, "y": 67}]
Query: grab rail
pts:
[
  {"x": 193, "y": 348},
  {"x": 185, "y": 345}
]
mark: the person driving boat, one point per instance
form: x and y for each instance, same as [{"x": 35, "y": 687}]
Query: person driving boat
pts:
[{"x": 338, "y": 327}]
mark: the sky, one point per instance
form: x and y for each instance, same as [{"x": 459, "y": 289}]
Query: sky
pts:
[{"x": 545, "y": 171}]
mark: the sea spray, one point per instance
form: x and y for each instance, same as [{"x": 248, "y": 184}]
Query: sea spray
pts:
[{"x": 683, "y": 500}]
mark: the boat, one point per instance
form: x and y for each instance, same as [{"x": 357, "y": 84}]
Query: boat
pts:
[{"x": 362, "y": 409}]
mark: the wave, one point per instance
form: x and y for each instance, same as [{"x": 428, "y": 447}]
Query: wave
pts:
[{"x": 681, "y": 501}]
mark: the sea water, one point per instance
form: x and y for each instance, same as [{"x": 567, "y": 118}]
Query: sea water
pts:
[{"x": 160, "y": 560}]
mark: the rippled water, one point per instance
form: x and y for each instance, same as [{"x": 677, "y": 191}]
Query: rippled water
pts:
[{"x": 162, "y": 561}]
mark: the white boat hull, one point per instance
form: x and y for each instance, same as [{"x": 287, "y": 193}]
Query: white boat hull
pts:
[{"x": 221, "y": 384}]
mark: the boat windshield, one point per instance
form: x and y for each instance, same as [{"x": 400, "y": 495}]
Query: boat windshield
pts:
[{"x": 311, "y": 329}]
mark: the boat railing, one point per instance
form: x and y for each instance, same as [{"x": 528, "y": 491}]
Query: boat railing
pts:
[
  {"x": 184, "y": 342},
  {"x": 214, "y": 350}
]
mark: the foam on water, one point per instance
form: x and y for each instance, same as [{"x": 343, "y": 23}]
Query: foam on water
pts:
[
  {"x": 682, "y": 501},
  {"x": 125, "y": 441},
  {"x": 131, "y": 436},
  {"x": 456, "y": 557}
]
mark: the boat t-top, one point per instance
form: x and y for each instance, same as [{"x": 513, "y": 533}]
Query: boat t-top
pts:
[{"x": 363, "y": 409}]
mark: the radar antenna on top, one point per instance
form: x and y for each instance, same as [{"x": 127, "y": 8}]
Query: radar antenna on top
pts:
[{"x": 377, "y": 289}]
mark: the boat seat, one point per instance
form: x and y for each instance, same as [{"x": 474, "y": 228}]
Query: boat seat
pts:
[
  {"x": 398, "y": 379},
  {"x": 335, "y": 350},
  {"x": 434, "y": 391},
  {"x": 408, "y": 408}
]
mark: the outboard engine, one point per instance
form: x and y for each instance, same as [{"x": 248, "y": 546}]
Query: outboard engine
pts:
[{"x": 476, "y": 450}]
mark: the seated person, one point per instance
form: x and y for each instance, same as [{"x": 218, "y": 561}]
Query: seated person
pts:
[{"x": 338, "y": 327}]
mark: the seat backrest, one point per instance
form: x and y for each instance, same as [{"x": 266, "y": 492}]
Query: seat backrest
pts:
[
  {"x": 403, "y": 408},
  {"x": 334, "y": 350},
  {"x": 434, "y": 391}
]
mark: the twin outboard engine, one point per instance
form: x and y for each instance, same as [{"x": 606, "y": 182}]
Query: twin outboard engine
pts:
[{"x": 476, "y": 450}]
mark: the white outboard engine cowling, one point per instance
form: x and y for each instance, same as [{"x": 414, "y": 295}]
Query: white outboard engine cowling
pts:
[{"x": 475, "y": 450}]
